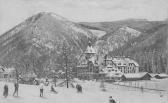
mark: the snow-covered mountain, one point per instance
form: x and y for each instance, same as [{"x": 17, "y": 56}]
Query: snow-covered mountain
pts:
[
  {"x": 42, "y": 33},
  {"x": 116, "y": 39}
]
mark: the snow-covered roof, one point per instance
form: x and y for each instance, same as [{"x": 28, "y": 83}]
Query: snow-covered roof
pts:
[
  {"x": 132, "y": 61},
  {"x": 152, "y": 74},
  {"x": 162, "y": 75},
  {"x": 136, "y": 75},
  {"x": 9, "y": 70},
  {"x": 90, "y": 49}
]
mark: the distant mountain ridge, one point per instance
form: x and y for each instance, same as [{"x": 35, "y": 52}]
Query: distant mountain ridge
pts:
[{"x": 148, "y": 46}]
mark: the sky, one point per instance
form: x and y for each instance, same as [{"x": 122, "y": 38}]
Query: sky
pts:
[{"x": 13, "y": 12}]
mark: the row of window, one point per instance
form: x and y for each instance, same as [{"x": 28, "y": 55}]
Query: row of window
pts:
[
  {"x": 110, "y": 63},
  {"x": 127, "y": 70}
]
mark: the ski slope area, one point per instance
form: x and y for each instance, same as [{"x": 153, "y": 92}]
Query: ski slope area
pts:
[{"x": 91, "y": 94}]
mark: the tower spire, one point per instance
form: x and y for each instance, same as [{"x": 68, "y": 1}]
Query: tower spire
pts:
[{"x": 89, "y": 44}]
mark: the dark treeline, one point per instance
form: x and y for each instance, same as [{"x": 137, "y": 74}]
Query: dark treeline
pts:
[{"x": 152, "y": 61}]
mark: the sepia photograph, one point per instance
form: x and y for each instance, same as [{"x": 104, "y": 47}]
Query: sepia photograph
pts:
[{"x": 83, "y": 51}]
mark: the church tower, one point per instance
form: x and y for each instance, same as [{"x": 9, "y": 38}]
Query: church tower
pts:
[{"x": 90, "y": 51}]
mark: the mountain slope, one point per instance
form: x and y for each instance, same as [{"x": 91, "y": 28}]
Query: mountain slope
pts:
[
  {"x": 116, "y": 39},
  {"x": 150, "y": 50},
  {"x": 146, "y": 42},
  {"x": 38, "y": 37},
  {"x": 119, "y": 33}
]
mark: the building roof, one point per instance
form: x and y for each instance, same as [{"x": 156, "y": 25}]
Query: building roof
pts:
[
  {"x": 152, "y": 74},
  {"x": 9, "y": 70},
  {"x": 90, "y": 49},
  {"x": 132, "y": 61},
  {"x": 163, "y": 75},
  {"x": 136, "y": 75}
]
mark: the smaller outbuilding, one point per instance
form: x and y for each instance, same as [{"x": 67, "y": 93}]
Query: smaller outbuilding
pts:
[
  {"x": 138, "y": 76},
  {"x": 8, "y": 73},
  {"x": 161, "y": 76}
]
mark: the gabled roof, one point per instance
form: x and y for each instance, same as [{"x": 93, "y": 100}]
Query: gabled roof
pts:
[
  {"x": 132, "y": 61},
  {"x": 90, "y": 49},
  {"x": 136, "y": 75},
  {"x": 9, "y": 70}
]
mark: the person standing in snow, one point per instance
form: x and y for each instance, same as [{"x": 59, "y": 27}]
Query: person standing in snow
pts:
[
  {"x": 142, "y": 89},
  {"x": 41, "y": 89},
  {"x": 111, "y": 100},
  {"x": 5, "y": 93},
  {"x": 16, "y": 85},
  {"x": 52, "y": 89},
  {"x": 79, "y": 88}
]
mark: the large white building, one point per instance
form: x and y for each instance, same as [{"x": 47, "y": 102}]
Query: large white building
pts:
[{"x": 122, "y": 64}]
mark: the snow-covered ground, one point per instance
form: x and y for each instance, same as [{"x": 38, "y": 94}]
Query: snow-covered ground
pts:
[
  {"x": 91, "y": 94},
  {"x": 159, "y": 84}
]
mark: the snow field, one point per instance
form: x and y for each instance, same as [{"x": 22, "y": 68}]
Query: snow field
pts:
[{"x": 91, "y": 94}]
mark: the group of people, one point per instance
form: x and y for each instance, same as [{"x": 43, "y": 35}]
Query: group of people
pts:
[
  {"x": 16, "y": 86},
  {"x": 6, "y": 90},
  {"x": 42, "y": 89},
  {"x": 78, "y": 87},
  {"x": 111, "y": 100}
]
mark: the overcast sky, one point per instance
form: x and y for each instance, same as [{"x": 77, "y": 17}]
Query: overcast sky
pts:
[{"x": 13, "y": 12}]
